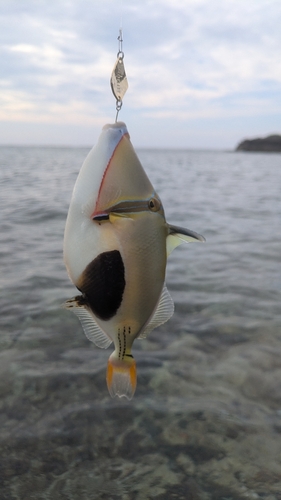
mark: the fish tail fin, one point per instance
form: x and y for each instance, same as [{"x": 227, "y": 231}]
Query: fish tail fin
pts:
[{"x": 121, "y": 376}]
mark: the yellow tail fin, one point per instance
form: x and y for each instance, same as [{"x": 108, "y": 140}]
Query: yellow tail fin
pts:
[{"x": 121, "y": 376}]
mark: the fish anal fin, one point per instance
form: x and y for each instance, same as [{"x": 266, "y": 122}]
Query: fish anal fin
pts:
[
  {"x": 121, "y": 377},
  {"x": 163, "y": 312},
  {"x": 91, "y": 329},
  {"x": 178, "y": 235}
]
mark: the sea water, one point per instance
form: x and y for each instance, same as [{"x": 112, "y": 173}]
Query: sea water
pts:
[{"x": 205, "y": 421}]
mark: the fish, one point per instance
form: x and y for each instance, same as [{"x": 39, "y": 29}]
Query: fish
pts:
[{"x": 116, "y": 244}]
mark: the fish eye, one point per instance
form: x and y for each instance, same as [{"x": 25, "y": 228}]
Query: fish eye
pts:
[{"x": 154, "y": 204}]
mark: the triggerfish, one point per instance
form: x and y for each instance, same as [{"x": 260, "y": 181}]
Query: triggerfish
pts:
[{"x": 116, "y": 246}]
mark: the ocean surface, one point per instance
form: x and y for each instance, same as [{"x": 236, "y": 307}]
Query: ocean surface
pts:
[{"x": 205, "y": 421}]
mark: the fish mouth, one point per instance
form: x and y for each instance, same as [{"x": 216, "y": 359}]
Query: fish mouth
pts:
[{"x": 100, "y": 217}]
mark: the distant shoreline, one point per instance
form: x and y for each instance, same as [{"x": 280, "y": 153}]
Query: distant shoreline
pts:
[{"x": 270, "y": 144}]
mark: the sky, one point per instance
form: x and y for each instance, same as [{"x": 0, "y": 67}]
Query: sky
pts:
[{"x": 201, "y": 73}]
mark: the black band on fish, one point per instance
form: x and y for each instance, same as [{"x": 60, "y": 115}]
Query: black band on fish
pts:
[{"x": 103, "y": 284}]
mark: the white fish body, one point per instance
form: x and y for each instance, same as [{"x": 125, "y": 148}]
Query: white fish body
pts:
[{"x": 115, "y": 249}]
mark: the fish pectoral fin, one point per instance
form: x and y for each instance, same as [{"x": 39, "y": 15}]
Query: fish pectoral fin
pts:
[
  {"x": 163, "y": 312},
  {"x": 91, "y": 329},
  {"x": 178, "y": 235}
]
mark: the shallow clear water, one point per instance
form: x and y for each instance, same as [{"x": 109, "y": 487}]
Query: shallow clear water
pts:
[{"x": 205, "y": 422}]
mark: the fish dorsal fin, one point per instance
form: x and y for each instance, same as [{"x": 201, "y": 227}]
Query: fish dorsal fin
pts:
[
  {"x": 91, "y": 329},
  {"x": 178, "y": 235},
  {"x": 164, "y": 310}
]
